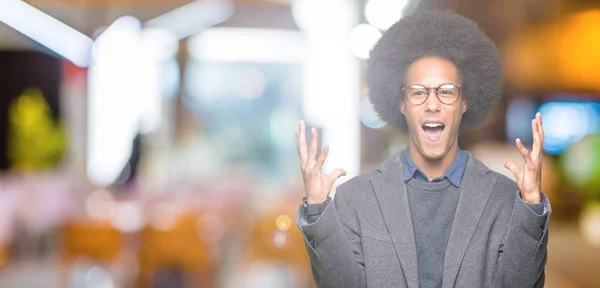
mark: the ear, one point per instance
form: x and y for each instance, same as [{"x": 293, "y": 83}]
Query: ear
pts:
[
  {"x": 401, "y": 106},
  {"x": 464, "y": 106}
]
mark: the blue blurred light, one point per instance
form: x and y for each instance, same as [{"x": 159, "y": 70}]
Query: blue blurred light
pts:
[
  {"x": 567, "y": 122},
  {"x": 519, "y": 114},
  {"x": 368, "y": 116}
]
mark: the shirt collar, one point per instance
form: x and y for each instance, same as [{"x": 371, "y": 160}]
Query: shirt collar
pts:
[{"x": 454, "y": 173}]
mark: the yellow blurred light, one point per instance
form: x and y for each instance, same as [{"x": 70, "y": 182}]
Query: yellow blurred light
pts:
[
  {"x": 35, "y": 139},
  {"x": 560, "y": 55},
  {"x": 577, "y": 49},
  {"x": 590, "y": 223},
  {"x": 283, "y": 222}
]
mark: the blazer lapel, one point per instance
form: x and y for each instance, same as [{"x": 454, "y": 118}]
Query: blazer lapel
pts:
[
  {"x": 390, "y": 191},
  {"x": 474, "y": 193}
]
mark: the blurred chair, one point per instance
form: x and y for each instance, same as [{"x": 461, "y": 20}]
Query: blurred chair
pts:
[
  {"x": 95, "y": 240},
  {"x": 3, "y": 254},
  {"x": 275, "y": 248},
  {"x": 176, "y": 249},
  {"x": 90, "y": 240}
]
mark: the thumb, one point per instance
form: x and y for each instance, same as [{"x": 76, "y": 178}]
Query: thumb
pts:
[
  {"x": 335, "y": 174},
  {"x": 513, "y": 168}
]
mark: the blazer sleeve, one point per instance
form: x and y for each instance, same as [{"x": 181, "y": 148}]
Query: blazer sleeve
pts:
[
  {"x": 523, "y": 251},
  {"x": 333, "y": 244}
]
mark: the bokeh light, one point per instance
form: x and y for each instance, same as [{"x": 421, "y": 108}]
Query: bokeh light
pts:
[
  {"x": 100, "y": 204},
  {"x": 164, "y": 216},
  {"x": 567, "y": 122},
  {"x": 383, "y": 13},
  {"x": 128, "y": 217},
  {"x": 98, "y": 277},
  {"x": 280, "y": 121},
  {"x": 280, "y": 239},
  {"x": 581, "y": 163},
  {"x": 362, "y": 39},
  {"x": 283, "y": 222},
  {"x": 159, "y": 44},
  {"x": 368, "y": 116},
  {"x": 590, "y": 223},
  {"x": 250, "y": 83}
]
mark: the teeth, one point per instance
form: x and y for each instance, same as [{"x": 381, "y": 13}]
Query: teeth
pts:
[{"x": 433, "y": 125}]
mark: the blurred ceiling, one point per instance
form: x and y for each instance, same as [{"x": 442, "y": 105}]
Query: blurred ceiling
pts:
[{"x": 87, "y": 16}]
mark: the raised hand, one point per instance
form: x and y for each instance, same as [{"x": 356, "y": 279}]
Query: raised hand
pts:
[
  {"x": 529, "y": 178},
  {"x": 317, "y": 185}
]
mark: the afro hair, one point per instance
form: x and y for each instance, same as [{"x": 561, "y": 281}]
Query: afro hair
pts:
[{"x": 442, "y": 34}]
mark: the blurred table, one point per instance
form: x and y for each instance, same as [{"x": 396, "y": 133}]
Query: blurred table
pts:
[{"x": 572, "y": 262}]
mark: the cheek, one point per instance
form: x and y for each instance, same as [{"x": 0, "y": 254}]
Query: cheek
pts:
[
  {"x": 458, "y": 117},
  {"x": 409, "y": 115}
]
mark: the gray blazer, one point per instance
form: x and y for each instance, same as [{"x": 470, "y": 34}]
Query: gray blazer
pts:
[{"x": 365, "y": 237}]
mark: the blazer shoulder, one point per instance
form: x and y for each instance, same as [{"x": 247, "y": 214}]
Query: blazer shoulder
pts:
[
  {"x": 502, "y": 184},
  {"x": 356, "y": 188}
]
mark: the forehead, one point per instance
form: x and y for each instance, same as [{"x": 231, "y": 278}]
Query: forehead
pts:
[{"x": 432, "y": 71}]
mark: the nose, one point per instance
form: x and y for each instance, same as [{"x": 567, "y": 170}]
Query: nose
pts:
[{"x": 433, "y": 103}]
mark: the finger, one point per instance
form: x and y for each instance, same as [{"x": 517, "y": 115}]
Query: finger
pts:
[
  {"x": 529, "y": 164},
  {"x": 537, "y": 142},
  {"x": 312, "y": 153},
  {"x": 302, "y": 144},
  {"x": 512, "y": 166},
  {"x": 322, "y": 157},
  {"x": 540, "y": 127},
  {"x": 524, "y": 152}
]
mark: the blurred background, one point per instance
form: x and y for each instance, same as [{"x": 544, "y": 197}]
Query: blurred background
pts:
[{"x": 150, "y": 143}]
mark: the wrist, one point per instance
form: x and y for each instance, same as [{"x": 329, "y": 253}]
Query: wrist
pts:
[
  {"x": 315, "y": 209},
  {"x": 532, "y": 198},
  {"x": 314, "y": 200}
]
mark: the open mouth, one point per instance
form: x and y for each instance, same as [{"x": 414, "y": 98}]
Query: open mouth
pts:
[{"x": 433, "y": 131}]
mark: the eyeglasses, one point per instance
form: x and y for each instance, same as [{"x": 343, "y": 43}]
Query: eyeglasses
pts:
[{"x": 418, "y": 94}]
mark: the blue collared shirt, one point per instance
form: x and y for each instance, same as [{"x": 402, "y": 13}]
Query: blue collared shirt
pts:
[{"x": 454, "y": 173}]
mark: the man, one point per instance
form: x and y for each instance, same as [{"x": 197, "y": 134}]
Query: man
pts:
[{"x": 432, "y": 215}]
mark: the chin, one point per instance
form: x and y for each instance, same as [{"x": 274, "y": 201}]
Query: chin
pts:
[
  {"x": 433, "y": 152},
  {"x": 433, "y": 156}
]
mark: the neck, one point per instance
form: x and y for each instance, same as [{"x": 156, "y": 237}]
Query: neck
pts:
[{"x": 433, "y": 168}]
